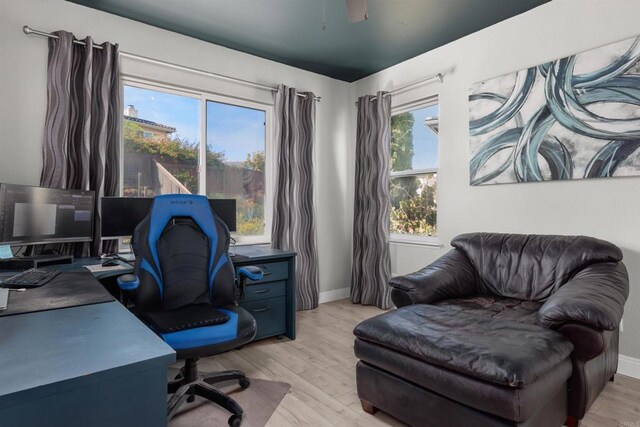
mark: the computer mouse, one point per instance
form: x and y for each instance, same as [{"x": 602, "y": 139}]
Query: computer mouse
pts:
[{"x": 110, "y": 263}]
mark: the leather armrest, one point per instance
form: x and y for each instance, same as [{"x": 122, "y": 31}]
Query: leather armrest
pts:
[
  {"x": 587, "y": 341},
  {"x": 250, "y": 272},
  {"x": 594, "y": 297},
  {"x": 450, "y": 276}
]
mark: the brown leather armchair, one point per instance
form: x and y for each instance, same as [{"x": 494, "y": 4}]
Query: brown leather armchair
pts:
[{"x": 502, "y": 330}]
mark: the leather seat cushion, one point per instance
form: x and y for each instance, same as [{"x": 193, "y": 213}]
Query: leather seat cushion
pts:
[
  {"x": 517, "y": 404},
  {"x": 503, "y": 352},
  {"x": 187, "y": 317},
  {"x": 210, "y": 340},
  {"x": 496, "y": 307}
]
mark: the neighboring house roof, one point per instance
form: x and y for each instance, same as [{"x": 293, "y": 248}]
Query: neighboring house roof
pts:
[
  {"x": 151, "y": 124},
  {"x": 432, "y": 122}
]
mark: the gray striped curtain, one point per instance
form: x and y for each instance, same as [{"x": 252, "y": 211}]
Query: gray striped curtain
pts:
[
  {"x": 82, "y": 126},
  {"x": 371, "y": 268},
  {"x": 293, "y": 215}
]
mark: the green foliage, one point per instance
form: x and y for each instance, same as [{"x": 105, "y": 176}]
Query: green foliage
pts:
[
  {"x": 413, "y": 204},
  {"x": 249, "y": 214},
  {"x": 251, "y": 227},
  {"x": 402, "y": 142},
  {"x": 415, "y": 215},
  {"x": 187, "y": 178},
  {"x": 180, "y": 157},
  {"x": 255, "y": 161},
  {"x": 402, "y": 156},
  {"x": 166, "y": 149}
]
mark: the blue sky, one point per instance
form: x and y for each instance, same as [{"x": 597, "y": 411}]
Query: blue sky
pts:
[
  {"x": 181, "y": 112},
  {"x": 237, "y": 131},
  {"x": 234, "y": 130},
  {"x": 425, "y": 142}
]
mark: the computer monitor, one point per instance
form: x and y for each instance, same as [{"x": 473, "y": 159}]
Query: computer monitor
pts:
[
  {"x": 37, "y": 215},
  {"x": 121, "y": 215}
]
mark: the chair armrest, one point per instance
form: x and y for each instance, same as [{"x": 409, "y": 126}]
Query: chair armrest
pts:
[
  {"x": 450, "y": 276},
  {"x": 587, "y": 341},
  {"x": 128, "y": 282},
  {"x": 250, "y": 272},
  {"x": 594, "y": 297}
]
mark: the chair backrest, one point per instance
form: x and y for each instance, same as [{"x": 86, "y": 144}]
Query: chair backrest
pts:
[
  {"x": 531, "y": 267},
  {"x": 182, "y": 255}
]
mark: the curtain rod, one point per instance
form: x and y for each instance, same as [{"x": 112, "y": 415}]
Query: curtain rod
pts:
[
  {"x": 439, "y": 77},
  {"x": 28, "y": 30}
]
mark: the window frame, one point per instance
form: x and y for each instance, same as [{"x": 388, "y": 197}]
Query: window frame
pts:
[
  {"x": 408, "y": 238},
  {"x": 203, "y": 97}
]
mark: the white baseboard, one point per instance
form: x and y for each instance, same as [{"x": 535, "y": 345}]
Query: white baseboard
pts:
[
  {"x": 334, "y": 295},
  {"x": 629, "y": 366}
]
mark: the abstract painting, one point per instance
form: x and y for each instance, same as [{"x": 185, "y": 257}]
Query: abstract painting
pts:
[{"x": 574, "y": 118}]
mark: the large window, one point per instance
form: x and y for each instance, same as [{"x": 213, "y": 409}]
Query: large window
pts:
[
  {"x": 414, "y": 173},
  {"x": 236, "y": 162},
  {"x": 197, "y": 143},
  {"x": 160, "y": 143}
]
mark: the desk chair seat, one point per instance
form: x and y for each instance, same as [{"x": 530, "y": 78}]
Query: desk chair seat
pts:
[
  {"x": 196, "y": 330},
  {"x": 185, "y": 289}
]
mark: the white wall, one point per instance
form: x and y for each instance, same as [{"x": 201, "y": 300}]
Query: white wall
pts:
[
  {"x": 605, "y": 208},
  {"x": 23, "y": 61}
]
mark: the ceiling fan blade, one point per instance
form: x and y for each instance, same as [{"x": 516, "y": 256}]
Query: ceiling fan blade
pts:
[{"x": 357, "y": 10}]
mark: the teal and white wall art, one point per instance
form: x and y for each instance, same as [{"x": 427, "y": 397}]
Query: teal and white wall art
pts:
[{"x": 573, "y": 118}]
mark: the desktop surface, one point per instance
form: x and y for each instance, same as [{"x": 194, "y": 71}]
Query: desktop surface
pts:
[
  {"x": 50, "y": 347},
  {"x": 67, "y": 289}
]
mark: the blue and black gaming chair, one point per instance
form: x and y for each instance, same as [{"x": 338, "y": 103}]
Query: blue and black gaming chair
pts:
[{"x": 185, "y": 289}]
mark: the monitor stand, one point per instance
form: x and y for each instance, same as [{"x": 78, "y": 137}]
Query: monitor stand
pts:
[{"x": 34, "y": 261}]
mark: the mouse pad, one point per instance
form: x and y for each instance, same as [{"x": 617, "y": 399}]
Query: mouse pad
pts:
[{"x": 67, "y": 289}]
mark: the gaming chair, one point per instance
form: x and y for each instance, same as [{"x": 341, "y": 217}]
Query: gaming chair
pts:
[{"x": 185, "y": 289}]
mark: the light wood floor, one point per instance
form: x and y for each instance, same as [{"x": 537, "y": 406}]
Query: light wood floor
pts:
[{"x": 320, "y": 366}]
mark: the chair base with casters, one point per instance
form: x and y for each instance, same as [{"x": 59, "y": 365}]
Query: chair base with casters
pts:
[{"x": 189, "y": 383}]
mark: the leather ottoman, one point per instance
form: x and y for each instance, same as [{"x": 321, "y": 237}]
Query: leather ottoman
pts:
[{"x": 433, "y": 366}]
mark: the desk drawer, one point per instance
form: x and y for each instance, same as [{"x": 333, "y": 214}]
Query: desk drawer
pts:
[
  {"x": 263, "y": 291},
  {"x": 270, "y": 315},
  {"x": 273, "y": 272}
]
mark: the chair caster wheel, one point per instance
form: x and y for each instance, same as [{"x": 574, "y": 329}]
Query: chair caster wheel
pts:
[
  {"x": 235, "y": 420},
  {"x": 245, "y": 383}
]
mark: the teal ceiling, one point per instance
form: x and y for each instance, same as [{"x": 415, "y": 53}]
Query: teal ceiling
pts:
[{"x": 290, "y": 31}]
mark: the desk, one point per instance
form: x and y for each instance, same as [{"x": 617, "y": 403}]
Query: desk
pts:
[
  {"x": 98, "y": 365},
  {"x": 95, "y": 365},
  {"x": 271, "y": 300}
]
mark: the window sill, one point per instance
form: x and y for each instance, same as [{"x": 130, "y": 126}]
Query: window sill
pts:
[
  {"x": 428, "y": 241},
  {"x": 253, "y": 243}
]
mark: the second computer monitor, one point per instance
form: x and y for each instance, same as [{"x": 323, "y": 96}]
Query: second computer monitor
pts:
[{"x": 121, "y": 215}]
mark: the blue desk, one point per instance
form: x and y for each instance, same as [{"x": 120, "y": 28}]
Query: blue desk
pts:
[
  {"x": 95, "y": 365},
  {"x": 99, "y": 366}
]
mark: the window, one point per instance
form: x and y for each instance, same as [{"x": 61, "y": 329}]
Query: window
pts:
[
  {"x": 414, "y": 174},
  {"x": 160, "y": 143},
  {"x": 235, "y": 162},
  {"x": 162, "y": 132}
]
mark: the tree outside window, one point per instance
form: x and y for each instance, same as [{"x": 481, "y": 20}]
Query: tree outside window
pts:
[{"x": 414, "y": 166}]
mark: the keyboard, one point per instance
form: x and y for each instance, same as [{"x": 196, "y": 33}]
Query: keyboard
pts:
[{"x": 31, "y": 278}]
